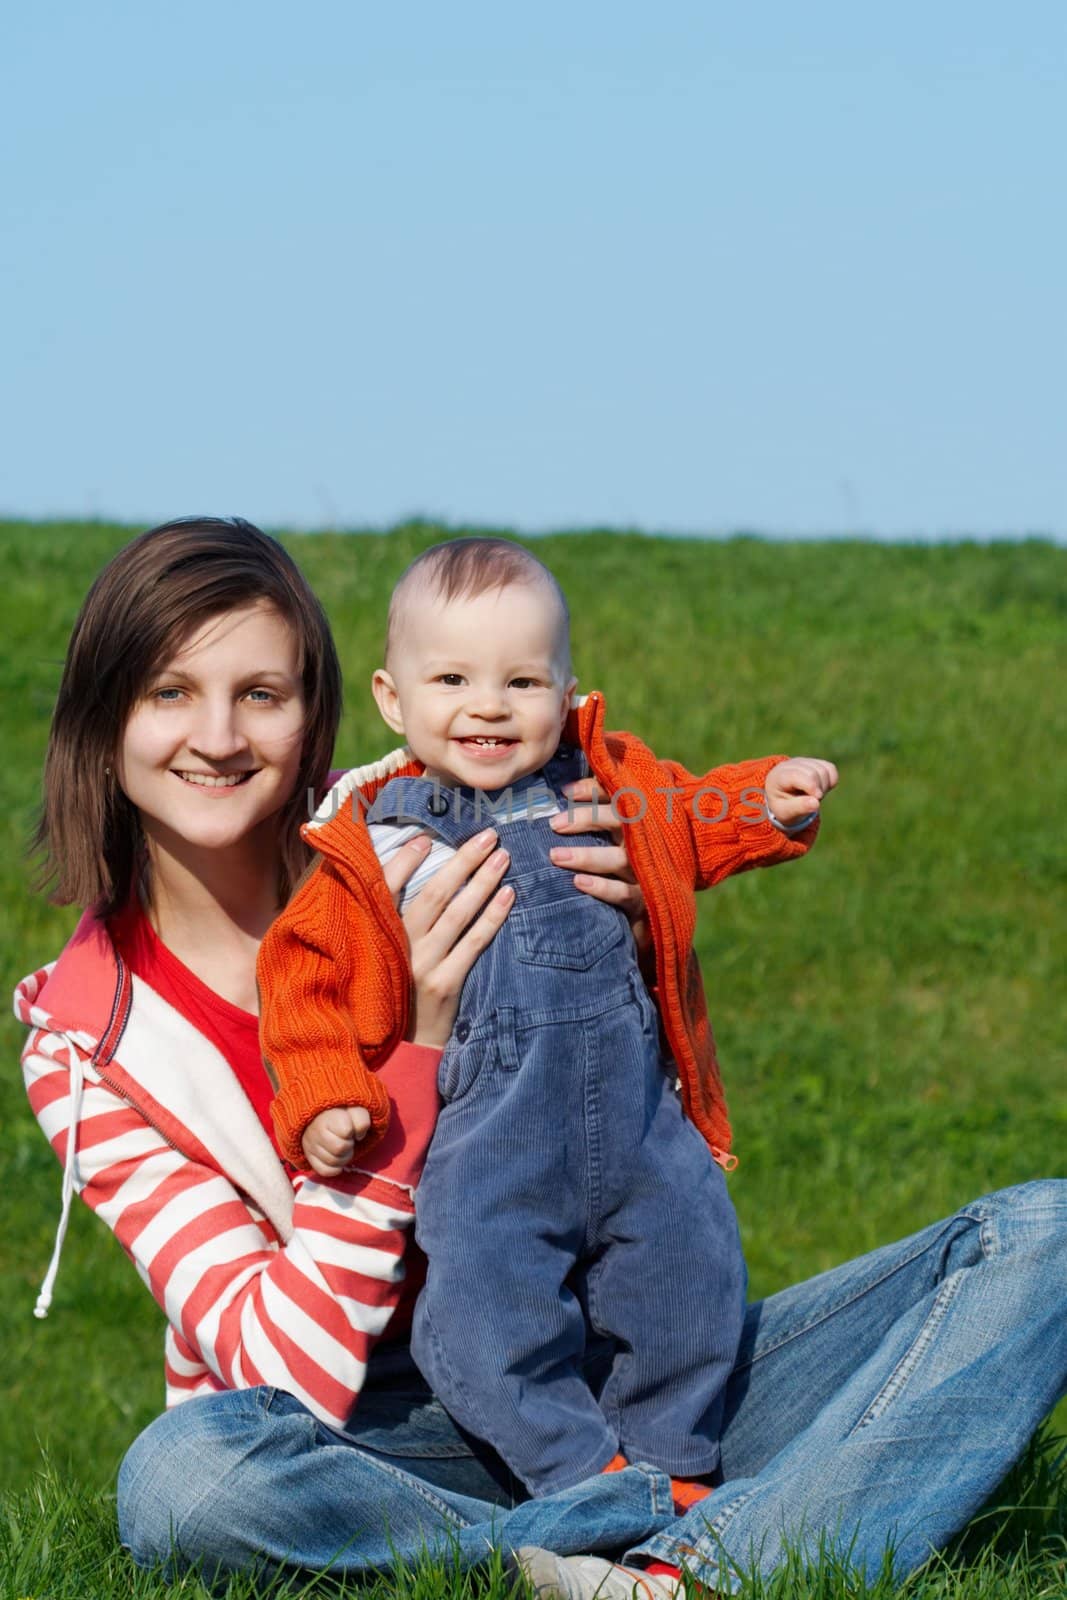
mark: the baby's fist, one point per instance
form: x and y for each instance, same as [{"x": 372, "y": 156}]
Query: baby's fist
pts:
[
  {"x": 330, "y": 1139},
  {"x": 795, "y": 788}
]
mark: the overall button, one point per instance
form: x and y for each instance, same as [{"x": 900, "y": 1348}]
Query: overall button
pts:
[
  {"x": 437, "y": 805},
  {"x": 462, "y": 1031}
]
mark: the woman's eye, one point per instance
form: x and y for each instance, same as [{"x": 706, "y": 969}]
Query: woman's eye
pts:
[
  {"x": 260, "y": 697},
  {"x": 166, "y": 697}
]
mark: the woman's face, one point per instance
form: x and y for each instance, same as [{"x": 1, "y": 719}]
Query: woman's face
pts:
[{"x": 211, "y": 750}]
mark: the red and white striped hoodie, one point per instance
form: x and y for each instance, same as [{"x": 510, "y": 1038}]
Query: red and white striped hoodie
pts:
[{"x": 263, "y": 1277}]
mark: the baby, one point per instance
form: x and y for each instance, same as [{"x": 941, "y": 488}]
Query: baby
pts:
[{"x": 566, "y": 1188}]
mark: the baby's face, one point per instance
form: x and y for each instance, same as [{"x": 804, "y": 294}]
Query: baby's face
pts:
[{"x": 480, "y": 688}]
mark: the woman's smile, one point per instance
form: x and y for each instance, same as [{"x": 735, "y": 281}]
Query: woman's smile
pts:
[{"x": 214, "y": 782}]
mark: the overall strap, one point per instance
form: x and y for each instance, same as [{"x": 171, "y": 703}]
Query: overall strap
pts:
[{"x": 455, "y": 813}]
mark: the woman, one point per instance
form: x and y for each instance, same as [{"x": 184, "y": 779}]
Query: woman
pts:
[{"x": 197, "y": 712}]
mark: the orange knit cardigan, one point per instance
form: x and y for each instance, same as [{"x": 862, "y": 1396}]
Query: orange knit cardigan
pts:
[{"x": 334, "y": 981}]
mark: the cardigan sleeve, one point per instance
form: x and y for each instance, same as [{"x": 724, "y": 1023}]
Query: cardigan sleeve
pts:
[
  {"x": 725, "y": 813},
  {"x": 319, "y": 973},
  {"x": 244, "y": 1306}
]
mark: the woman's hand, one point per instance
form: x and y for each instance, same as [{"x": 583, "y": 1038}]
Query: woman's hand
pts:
[
  {"x": 602, "y": 871},
  {"x": 449, "y": 923}
]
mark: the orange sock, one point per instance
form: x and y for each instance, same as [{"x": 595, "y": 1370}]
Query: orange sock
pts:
[
  {"x": 616, "y": 1464},
  {"x": 663, "y": 1569},
  {"x": 695, "y": 1589},
  {"x": 687, "y": 1492}
]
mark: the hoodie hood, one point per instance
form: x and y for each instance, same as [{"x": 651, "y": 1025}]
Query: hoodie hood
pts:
[{"x": 68, "y": 995}]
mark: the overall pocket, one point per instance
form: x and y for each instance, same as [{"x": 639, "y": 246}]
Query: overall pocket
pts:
[
  {"x": 573, "y": 934},
  {"x": 462, "y": 1064},
  {"x": 486, "y": 1062}
]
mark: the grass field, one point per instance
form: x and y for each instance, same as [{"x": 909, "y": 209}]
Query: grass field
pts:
[{"x": 890, "y": 1013}]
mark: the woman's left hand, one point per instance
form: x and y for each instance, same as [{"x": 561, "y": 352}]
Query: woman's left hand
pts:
[{"x": 603, "y": 871}]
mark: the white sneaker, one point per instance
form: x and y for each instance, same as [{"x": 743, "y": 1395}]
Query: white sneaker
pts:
[{"x": 555, "y": 1577}]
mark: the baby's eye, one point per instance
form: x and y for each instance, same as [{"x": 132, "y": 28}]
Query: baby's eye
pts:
[
  {"x": 525, "y": 683},
  {"x": 451, "y": 680}
]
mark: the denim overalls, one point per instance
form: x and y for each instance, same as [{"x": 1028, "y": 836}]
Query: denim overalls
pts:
[{"x": 564, "y": 1185}]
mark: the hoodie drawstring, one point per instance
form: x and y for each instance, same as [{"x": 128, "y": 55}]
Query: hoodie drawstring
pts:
[{"x": 70, "y": 1177}]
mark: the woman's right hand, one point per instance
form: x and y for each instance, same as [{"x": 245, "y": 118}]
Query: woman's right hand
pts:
[{"x": 449, "y": 923}]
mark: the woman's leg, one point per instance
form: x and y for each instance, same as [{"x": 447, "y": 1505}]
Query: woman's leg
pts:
[
  {"x": 249, "y": 1480},
  {"x": 879, "y": 1404}
]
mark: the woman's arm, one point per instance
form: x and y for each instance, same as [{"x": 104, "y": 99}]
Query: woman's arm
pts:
[{"x": 245, "y": 1307}]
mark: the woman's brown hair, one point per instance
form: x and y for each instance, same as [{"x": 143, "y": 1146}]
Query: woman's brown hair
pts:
[{"x": 147, "y": 600}]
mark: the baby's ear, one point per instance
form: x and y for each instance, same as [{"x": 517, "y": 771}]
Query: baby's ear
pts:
[
  {"x": 568, "y": 701},
  {"x": 384, "y": 691}
]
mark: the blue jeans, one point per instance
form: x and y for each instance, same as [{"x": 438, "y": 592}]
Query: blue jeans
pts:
[
  {"x": 876, "y": 1405},
  {"x": 561, "y": 1184}
]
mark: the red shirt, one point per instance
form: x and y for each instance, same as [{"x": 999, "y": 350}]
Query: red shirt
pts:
[{"x": 233, "y": 1032}]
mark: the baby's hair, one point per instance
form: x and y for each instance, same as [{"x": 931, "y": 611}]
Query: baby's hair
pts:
[{"x": 462, "y": 569}]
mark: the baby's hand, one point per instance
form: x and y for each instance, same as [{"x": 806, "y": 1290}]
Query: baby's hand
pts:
[
  {"x": 794, "y": 789},
  {"x": 330, "y": 1139}
]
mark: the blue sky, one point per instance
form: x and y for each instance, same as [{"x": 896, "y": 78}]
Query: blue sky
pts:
[{"x": 689, "y": 267}]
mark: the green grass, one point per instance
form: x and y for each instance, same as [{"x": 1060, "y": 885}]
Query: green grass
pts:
[{"x": 890, "y": 1013}]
